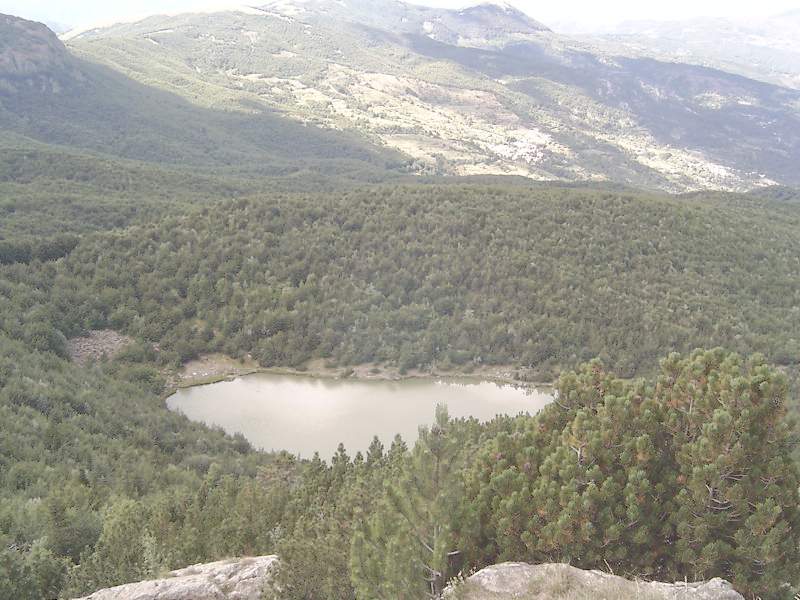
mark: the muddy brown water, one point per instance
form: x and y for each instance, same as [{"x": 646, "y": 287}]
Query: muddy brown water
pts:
[{"x": 307, "y": 414}]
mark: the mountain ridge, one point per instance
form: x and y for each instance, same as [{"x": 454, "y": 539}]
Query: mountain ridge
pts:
[
  {"x": 534, "y": 104},
  {"x": 445, "y": 94},
  {"x": 54, "y": 96},
  {"x": 485, "y": 24}
]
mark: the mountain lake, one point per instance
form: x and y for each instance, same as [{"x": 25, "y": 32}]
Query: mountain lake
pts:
[{"x": 304, "y": 414}]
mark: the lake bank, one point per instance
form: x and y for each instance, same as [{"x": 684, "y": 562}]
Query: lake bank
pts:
[{"x": 214, "y": 368}]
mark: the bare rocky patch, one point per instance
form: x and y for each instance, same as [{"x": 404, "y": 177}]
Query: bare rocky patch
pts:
[
  {"x": 210, "y": 368},
  {"x": 96, "y": 345}
]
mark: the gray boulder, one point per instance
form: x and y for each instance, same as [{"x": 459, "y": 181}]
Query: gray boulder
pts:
[
  {"x": 562, "y": 582},
  {"x": 239, "y": 579}
]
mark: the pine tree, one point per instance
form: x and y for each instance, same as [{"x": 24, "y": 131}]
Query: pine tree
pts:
[
  {"x": 737, "y": 512},
  {"x": 119, "y": 556},
  {"x": 687, "y": 476},
  {"x": 375, "y": 452},
  {"x": 411, "y": 547},
  {"x": 32, "y": 574}
]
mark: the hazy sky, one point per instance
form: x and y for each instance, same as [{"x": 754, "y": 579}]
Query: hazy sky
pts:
[{"x": 583, "y": 14}]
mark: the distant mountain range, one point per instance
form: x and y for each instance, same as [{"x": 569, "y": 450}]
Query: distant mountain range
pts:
[
  {"x": 766, "y": 49},
  {"x": 485, "y": 90}
]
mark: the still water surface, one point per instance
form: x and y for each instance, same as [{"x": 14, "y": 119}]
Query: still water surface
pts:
[{"x": 307, "y": 414}]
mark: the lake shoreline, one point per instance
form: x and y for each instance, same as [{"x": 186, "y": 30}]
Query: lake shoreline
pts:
[{"x": 215, "y": 368}]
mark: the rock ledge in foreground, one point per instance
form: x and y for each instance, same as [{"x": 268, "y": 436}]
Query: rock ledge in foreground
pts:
[
  {"x": 519, "y": 581},
  {"x": 237, "y": 579}
]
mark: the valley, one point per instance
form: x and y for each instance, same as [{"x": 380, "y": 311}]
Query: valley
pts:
[{"x": 353, "y": 220}]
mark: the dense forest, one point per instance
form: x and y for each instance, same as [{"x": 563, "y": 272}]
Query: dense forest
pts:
[
  {"x": 687, "y": 474},
  {"x": 100, "y": 484},
  {"x": 414, "y": 276}
]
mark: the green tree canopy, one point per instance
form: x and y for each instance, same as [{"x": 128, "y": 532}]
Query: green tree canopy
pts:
[{"x": 688, "y": 475}]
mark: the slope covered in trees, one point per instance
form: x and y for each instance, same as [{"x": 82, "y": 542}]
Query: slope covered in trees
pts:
[
  {"x": 659, "y": 478},
  {"x": 76, "y": 443},
  {"x": 665, "y": 477},
  {"x": 83, "y": 147},
  {"x": 542, "y": 278},
  {"x": 686, "y": 474},
  {"x": 47, "y": 190}
]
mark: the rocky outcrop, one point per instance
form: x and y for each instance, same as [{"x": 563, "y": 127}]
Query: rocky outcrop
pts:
[
  {"x": 247, "y": 578},
  {"x": 95, "y": 345},
  {"x": 34, "y": 63},
  {"x": 27, "y": 47},
  {"x": 562, "y": 582},
  {"x": 241, "y": 579}
]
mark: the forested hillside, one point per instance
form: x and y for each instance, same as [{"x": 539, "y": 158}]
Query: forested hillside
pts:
[
  {"x": 93, "y": 149},
  {"x": 101, "y": 485},
  {"x": 80, "y": 192},
  {"x": 72, "y": 443},
  {"x": 455, "y": 276}
]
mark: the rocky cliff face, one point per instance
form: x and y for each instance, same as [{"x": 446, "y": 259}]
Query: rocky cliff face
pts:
[
  {"x": 31, "y": 55},
  {"x": 561, "y": 582},
  {"x": 242, "y": 579}
]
